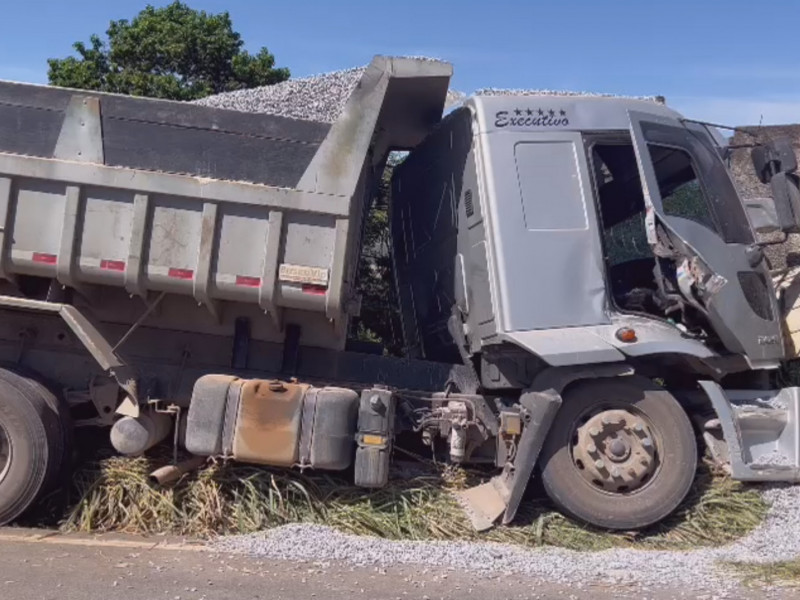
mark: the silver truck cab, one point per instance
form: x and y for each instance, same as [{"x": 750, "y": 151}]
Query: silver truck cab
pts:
[
  {"x": 584, "y": 216},
  {"x": 581, "y": 234}
]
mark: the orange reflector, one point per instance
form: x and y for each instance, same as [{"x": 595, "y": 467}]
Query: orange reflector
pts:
[
  {"x": 626, "y": 334},
  {"x": 373, "y": 440}
]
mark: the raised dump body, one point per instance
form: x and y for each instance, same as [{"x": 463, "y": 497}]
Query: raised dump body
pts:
[{"x": 243, "y": 214}]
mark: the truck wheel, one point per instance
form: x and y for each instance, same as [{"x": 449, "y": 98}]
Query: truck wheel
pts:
[
  {"x": 31, "y": 444},
  {"x": 58, "y": 470},
  {"x": 621, "y": 453}
]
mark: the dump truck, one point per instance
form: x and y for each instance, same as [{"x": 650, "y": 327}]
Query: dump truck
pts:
[{"x": 583, "y": 295}]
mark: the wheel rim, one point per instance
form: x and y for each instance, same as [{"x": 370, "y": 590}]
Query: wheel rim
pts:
[
  {"x": 5, "y": 452},
  {"x": 616, "y": 450}
]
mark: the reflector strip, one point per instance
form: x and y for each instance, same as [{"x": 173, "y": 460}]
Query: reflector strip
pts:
[
  {"x": 317, "y": 290},
  {"x": 247, "y": 281},
  {"x": 112, "y": 265},
  {"x": 41, "y": 257},
  {"x": 180, "y": 273},
  {"x": 370, "y": 439}
]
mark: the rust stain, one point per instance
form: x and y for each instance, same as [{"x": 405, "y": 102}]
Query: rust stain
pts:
[{"x": 268, "y": 425}]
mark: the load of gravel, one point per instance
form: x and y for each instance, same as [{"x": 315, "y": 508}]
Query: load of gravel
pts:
[
  {"x": 323, "y": 97},
  {"x": 320, "y": 98},
  {"x": 317, "y": 98},
  {"x": 698, "y": 570},
  {"x": 523, "y": 92}
]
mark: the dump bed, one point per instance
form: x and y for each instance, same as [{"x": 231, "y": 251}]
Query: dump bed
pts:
[{"x": 222, "y": 206}]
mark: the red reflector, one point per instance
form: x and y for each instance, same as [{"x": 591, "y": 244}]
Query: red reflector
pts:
[
  {"x": 317, "y": 290},
  {"x": 41, "y": 257},
  {"x": 112, "y": 265},
  {"x": 248, "y": 281},
  {"x": 181, "y": 273}
]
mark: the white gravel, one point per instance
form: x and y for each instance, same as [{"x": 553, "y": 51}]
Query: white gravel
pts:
[
  {"x": 697, "y": 570},
  {"x": 545, "y": 92},
  {"x": 316, "y": 98},
  {"x": 323, "y": 97},
  {"x": 319, "y": 98}
]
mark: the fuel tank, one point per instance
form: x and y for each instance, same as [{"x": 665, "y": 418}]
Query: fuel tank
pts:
[{"x": 273, "y": 422}]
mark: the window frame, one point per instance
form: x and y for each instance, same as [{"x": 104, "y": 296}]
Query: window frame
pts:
[{"x": 734, "y": 229}]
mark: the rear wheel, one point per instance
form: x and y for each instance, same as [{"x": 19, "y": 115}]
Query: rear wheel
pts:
[
  {"x": 621, "y": 453},
  {"x": 32, "y": 441}
]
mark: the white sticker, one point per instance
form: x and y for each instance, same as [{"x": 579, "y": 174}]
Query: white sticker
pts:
[{"x": 300, "y": 274}]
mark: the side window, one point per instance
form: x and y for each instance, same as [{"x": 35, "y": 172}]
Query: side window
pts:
[{"x": 680, "y": 189}]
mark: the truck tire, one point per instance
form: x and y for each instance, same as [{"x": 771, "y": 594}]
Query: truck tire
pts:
[
  {"x": 32, "y": 442},
  {"x": 621, "y": 453}
]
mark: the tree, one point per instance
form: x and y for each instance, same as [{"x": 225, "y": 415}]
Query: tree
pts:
[
  {"x": 380, "y": 318},
  {"x": 173, "y": 52}
]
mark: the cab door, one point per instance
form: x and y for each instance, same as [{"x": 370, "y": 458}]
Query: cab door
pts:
[{"x": 689, "y": 194}]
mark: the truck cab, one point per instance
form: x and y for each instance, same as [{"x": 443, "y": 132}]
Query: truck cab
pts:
[
  {"x": 548, "y": 239},
  {"x": 577, "y": 219}
]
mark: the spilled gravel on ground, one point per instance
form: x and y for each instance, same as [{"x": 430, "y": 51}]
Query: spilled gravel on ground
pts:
[{"x": 777, "y": 538}]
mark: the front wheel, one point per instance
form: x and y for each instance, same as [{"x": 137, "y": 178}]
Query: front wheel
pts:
[{"x": 621, "y": 453}]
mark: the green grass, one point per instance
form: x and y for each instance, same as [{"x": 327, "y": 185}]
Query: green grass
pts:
[
  {"x": 116, "y": 495},
  {"x": 784, "y": 573}
]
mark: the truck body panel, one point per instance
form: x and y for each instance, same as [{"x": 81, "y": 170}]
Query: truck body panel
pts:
[{"x": 223, "y": 207}]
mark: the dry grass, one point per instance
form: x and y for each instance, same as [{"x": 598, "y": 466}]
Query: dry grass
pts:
[
  {"x": 115, "y": 495},
  {"x": 784, "y": 573}
]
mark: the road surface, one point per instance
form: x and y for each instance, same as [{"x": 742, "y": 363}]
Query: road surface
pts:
[{"x": 41, "y": 565}]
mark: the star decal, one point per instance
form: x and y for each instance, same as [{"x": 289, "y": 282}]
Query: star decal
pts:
[
  {"x": 563, "y": 113},
  {"x": 541, "y": 112},
  {"x": 517, "y": 112},
  {"x": 529, "y": 112},
  {"x": 551, "y": 112}
]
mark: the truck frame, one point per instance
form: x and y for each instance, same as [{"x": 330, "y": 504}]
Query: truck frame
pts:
[{"x": 580, "y": 287}]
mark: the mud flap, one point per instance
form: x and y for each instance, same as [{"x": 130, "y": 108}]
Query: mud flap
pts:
[{"x": 502, "y": 494}]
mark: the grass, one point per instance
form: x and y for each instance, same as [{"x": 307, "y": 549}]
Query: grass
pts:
[
  {"x": 115, "y": 494},
  {"x": 785, "y": 573}
]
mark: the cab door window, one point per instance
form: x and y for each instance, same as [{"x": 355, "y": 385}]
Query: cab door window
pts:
[
  {"x": 720, "y": 207},
  {"x": 681, "y": 193}
]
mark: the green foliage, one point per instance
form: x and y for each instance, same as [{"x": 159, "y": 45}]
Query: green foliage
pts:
[
  {"x": 380, "y": 320},
  {"x": 173, "y": 52},
  {"x": 757, "y": 574},
  {"x": 116, "y": 494}
]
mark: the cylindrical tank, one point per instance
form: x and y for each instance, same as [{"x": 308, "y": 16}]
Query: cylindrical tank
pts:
[{"x": 133, "y": 436}]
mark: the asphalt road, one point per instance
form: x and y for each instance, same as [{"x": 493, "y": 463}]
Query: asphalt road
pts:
[{"x": 36, "y": 565}]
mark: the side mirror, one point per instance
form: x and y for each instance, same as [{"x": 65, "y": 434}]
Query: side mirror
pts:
[
  {"x": 786, "y": 198},
  {"x": 762, "y": 215},
  {"x": 776, "y": 156}
]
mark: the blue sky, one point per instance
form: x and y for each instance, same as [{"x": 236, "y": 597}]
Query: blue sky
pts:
[{"x": 730, "y": 61}]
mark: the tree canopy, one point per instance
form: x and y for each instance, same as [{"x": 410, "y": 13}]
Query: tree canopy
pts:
[{"x": 173, "y": 52}]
